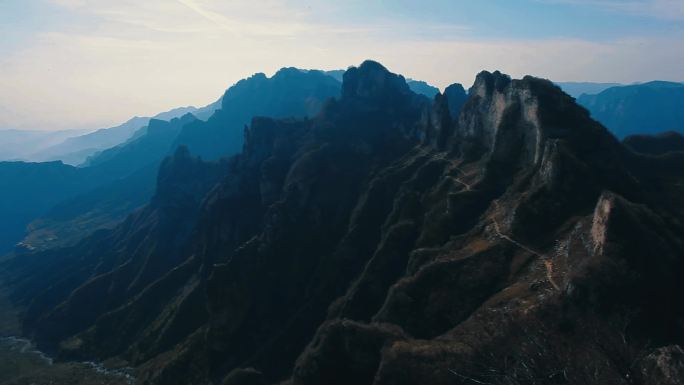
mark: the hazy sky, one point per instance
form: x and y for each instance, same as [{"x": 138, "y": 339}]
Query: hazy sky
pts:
[{"x": 95, "y": 63}]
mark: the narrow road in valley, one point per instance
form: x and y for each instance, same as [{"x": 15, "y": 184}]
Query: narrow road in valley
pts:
[{"x": 548, "y": 262}]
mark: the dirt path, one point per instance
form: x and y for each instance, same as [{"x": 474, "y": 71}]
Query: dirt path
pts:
[
  {"x": 467, "y": 185},
  {"x": 548, "y": 262}
]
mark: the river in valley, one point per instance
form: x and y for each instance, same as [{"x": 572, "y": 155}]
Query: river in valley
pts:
[{"x": 22, "y": 364}]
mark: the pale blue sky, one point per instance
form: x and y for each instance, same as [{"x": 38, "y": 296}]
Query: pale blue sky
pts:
[{"x": 93, "y": 63}]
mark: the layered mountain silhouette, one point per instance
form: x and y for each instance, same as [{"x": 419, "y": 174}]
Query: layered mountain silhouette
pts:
[
  {"x": 577, "y": 89},
  {"x": 502, "y": 238},
  {"x": 22, "y": 144},
  {"x": 124, "y": 181},
  {"x": 290, "y": 92},
  {"x": 647, "y": 108},
  {"x": 74, "y": 147},
  {"x": 115, "y": 181},
  {"x": 77, "y": 149}
]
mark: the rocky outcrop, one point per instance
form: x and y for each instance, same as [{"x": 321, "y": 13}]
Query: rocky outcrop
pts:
[
  {"x": 665, "y": 366},
  {"x": 456, "y": 97}
]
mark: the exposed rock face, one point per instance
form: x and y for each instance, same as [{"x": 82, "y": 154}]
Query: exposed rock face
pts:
[
  {"x": 386, "y": 242},
  {"x": 599, "y": 226},
  {"x": 665, "y": 366}
]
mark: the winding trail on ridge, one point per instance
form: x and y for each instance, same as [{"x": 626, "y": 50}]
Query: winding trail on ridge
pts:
[{"x": 548, "y": 262}]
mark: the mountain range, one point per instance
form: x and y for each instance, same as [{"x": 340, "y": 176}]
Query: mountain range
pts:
[
  {"x": 577, "y": 89},
  {"x": 647, "y": 108},
  {"x": 21, "y": 144},
  {"x": 75, "y": 146},
  {"x": 122, "y": 177},
  {"x": 377, "y": 236},
  {"x": 113, "y": 182}
]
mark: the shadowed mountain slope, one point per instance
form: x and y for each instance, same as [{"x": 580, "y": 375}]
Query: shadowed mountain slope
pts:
[{"x": 656, "y": 144}]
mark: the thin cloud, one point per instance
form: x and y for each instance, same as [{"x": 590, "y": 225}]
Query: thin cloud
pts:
[{"x": 662, "y": 9}]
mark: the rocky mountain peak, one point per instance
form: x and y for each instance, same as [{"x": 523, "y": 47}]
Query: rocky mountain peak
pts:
[
  {"x": 456, "y": 96},
  {"x": 514, "y": 119},
  {"x": 372, "y": 82},
  {"x": 487, "y": 82},
  {"x": 288, "y": 71},
  {"x": 242, "y": 86}
]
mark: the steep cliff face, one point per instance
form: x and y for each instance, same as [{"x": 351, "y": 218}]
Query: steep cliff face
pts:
[
  {"x": 389, "y": 240},
  {"x": 550, "y": 282}
]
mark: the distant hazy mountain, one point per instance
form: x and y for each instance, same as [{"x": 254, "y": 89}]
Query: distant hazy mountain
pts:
[
  {"x": 639, "y": 109},
  {"x": 124, "y": 178},
  {"x": 117, "y": 180},
  {"x": 207, "y": 111},
  {"x": 150, "y": 147},
  {"x": 20, "y": 144},
  {"x": 75, "y": 150},
  {"x": 575, "y": 89},
  {"x": 422, "y": 88},
  {"x": 175, "y": 113}
]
